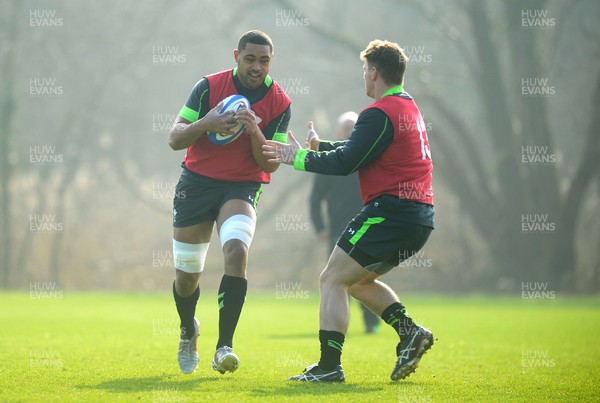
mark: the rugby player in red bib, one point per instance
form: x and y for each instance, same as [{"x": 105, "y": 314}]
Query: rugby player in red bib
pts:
[
  {"x": 390, "y": 150},
  {"x": 220, "y": 184}
]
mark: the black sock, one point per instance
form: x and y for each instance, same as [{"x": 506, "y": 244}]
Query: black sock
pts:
[
  {"x": 396, "y": 316},
  {"x": 232, "y": 294},
  {"x": 332, "y": 343},
  {"x": 186, "y": 308}
]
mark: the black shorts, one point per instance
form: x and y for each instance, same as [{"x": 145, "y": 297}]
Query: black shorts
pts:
[
  {"x": 387, "y": 231},
  {"x": 200, "y": 198}
]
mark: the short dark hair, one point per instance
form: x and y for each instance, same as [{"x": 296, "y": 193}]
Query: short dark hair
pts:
[
  {"x": 256, "y": 37},
  {"x": 389, "y": 59}
]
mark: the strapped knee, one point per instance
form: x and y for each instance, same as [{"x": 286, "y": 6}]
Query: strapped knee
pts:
[
  {"x": 238, "y": 226},
  {"x": 189, "y": 257}
]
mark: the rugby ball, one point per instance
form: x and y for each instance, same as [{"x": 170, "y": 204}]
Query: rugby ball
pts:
[{"x": 231, "y": 103}]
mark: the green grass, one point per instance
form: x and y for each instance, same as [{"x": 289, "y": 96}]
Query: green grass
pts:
[{"x": 122, "y": 347}]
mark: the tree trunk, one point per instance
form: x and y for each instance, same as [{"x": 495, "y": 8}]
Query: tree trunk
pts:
[
  {"x": 562, "y": 262},
  {"x": 8, "y": 108}
]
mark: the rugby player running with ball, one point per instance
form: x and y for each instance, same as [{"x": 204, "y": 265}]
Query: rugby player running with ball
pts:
[{"x": 221, "y": 184}]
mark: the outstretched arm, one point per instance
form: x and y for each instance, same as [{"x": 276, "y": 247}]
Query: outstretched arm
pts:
[
  {"x": 258, "y": 137},
  {"x": 371, "y": 136},
  {"x": 314, "y": 142}
]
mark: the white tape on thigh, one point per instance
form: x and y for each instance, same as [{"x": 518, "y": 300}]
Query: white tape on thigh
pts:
[
  {"x": 189, "y": 257},
  {"x": 238, "y": 226}
]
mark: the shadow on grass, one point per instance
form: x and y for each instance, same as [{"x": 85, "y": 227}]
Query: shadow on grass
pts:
[
  {"x": 291, "y": 388},
  {"x": 151, "y": 383}
]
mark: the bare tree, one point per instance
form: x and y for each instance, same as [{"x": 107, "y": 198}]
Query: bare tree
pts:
[{"x": 496, "y": 191}]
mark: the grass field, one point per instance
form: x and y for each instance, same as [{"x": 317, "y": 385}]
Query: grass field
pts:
[{"x": 122, "y": 347}]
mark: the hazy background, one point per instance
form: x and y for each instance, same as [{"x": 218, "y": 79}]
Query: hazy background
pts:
[{"x": 508, "y": 90}]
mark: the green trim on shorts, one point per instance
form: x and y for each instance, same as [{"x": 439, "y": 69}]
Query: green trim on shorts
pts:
[
  {"x": 258, "y": 193},
  {"x": 189, "y": 114},
  {"x": 363, "y": 229}
]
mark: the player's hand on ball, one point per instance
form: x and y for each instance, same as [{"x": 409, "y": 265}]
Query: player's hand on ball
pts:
[
  {"x": 247, "y": 117},
  {"x": 312, "y": 139},
  {"x": 280, "y": 152},
  {"x": 216, "y": 122}
]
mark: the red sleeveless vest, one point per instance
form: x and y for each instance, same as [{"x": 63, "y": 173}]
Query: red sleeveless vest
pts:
[
  {"x": 234, "y": 161},
  {"x": 405, "y": 168}
]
